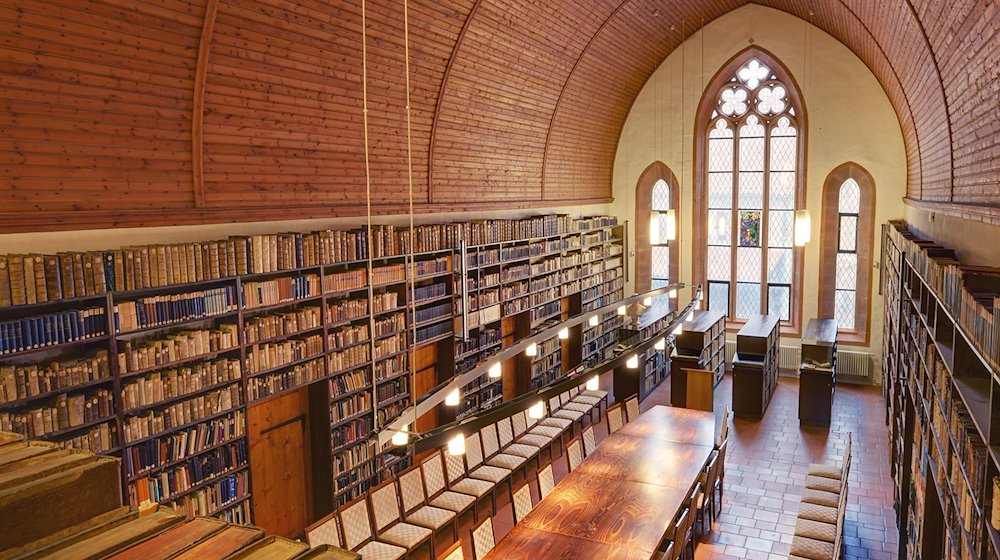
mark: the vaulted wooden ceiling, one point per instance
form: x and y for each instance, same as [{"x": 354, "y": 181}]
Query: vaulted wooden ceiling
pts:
[{"x": 190, "y": 111}]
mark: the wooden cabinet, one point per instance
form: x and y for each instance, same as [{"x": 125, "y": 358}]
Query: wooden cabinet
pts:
[
  {"x": 755, "y": 365},
  {"x": 818, "y": 371},
  {"x": 702, "y": 346},
  {"x": 652, "y": 368}
]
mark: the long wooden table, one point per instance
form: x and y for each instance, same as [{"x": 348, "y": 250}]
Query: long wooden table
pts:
[{"x": 620, "y": 502}]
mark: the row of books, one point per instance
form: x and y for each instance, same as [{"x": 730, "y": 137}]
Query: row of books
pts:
[
  {"x": 207, "y": 501},
  {"x": 152, "y": 453},
  {"x": 385, "y": 347},
  {"x": 280, "y": 290},
  {"x": 390, "y": 367},
  {"x": 385, "y": 301},
  {"x": 180, "y": 414},
  {"x": 264, "y": 357},
  {"x": 392, "y": 389},
  {"x": 348, "y": 336},
  {"x": 144, "y": 354},
  {"x": 434, "y": 312},
  {"x": 101, "y": 438},
  {"x": 174, "y": 383},
  {"x": 390, "y": 412},
  {"x": 62, "y": 412},
  {"x": 273, "y": 383},
  {"x": 348, "y": 459},
  {"x": 432, "y": 331},
  {"x": 350, "y": 357},
  {"x": 350, "y": 432},
  {"x": 18, "y": 382},
  {"x": 347, "y": 407},
  {"x": 346, "y": 310},
  {"x": 170, "y": 483},
  {"x": 390, "y": 324},
  {"x": 289, "y": 323},
  {"x": 34, "y": 278},
  {"x": 156, "y": 311},
  {"x": 335, "y": 282},
  {"x": 482, "y": 339},
  {"x": 349, "y": 382},
  {"x": 50, "y": 329}
]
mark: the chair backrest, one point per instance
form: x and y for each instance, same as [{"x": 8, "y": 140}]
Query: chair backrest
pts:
[
  {"x": 616, "y": 418},
  {"x": 455, "y": 465},
  {"x": 356, "y": 522},
  {"x": 724, "y": 433},
  {"x": 454, "y": 552},
  {"x": 473, "y": 451},
  {"x": 554, "y": 404},
  {"x": 589, "y": 440},
  {"x": 521, "y": 500},
  {"x": 483, "y": 539},
  {"x": 722, "y": 455},
  {"x": 574, "y": 453},
  {"x": 565, "y": 397},
  {"x": 518, "y": 424},
  {"x": 433, "y": 469},
  {"x": 385, "y": 505},
  {"x": 411, "y": 489},
  {"x": 546, "y": 482},
  {"x": 711, "y": 474},
  {"x": 669, "y": 553},
  {"x": 325, "y": 531},
  {"x": 505, "y": 431},
  {"x": 490, "y": 444},
  {"x": 632, "y": 408},
  {"x": 693, "y": 496}
]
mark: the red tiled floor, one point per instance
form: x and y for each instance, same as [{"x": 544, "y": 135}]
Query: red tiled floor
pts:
[{"x": 765, "y": 472}]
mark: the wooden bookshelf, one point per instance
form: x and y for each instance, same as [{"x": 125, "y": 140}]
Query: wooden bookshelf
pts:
[
  {"x": 755, "y": 365},
  {"x": 652, "y": 368},
  {"x": 818, "y": 371},
  {"x": 309, "y": 311},
  {"x": 701, "y": 346},
  {"x": 942, "y": 397}
]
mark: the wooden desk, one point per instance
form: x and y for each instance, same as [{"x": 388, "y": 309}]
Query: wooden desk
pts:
[{"x": 620, "y": 502}]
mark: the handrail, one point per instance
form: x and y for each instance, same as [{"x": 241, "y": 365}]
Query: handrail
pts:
[{"x": 437, "y": 395}]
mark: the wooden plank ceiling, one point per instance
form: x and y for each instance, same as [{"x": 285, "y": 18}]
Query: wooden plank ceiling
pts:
[{"x": 121, "y": 113}]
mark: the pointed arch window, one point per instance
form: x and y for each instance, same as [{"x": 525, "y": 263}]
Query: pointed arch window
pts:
[
  {"x": 847, "y": 240},
  {"x": 656, "y": 259},
  {"x": 750, "y": 156}
]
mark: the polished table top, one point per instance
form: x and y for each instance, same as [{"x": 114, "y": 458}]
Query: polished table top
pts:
[{"x": 621, "y": 500}]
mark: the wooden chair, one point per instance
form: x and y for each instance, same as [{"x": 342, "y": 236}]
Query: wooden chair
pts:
[
  {"x": 357, "y": 525},
  {"x": 476, "y": 468},
  {"x": 414, "y": 500},
  {"x": 616, "y": 417},
  {"x": 549, "y": 427},
  {"x": 459, "y": 482},
  {"x": 553, "y": 420},
  {"x": 505, "y": 434},
  {"x": 594, "y": 401},
  {"x": 690, "y": 534},
  {"x": 389, "y": 526},
  {"x": 574, "y": 453},
  {"x": 520, "y": 501},
  {"x": 566, "y": 399},
  {"x": 453, "y": 552},
  {"x": 675, "y": 548},
  {"x": 519, "y": 423},
  {"x": 483, "y": 539},
  {"x": 325, "y": 531},
  {"x": 603, "y": 395},
  {"x": 496, "y": 458},
  {"x": 589, "y": 441},
  {"x": 546, "y": 482},
  {"x": 632, "y": 408},
  {"x": 668, "y": 554},
  {"x": 684, "y": 534},
  {"x": 437, "y": 495},
  {"x": 706, "y": 499},
  {"x": 721, "y": 460}
]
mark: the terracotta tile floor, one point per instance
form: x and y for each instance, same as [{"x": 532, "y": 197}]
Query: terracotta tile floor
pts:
[{"x": 765, "y": 472}]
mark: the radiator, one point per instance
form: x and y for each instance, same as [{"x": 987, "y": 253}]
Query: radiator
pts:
[{"x": 852, "y": 367}]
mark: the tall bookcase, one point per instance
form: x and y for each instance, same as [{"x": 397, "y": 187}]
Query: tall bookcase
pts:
[
  {"x": 942, "y": 396},
  {"x": 702, "y": 345},
  {"x": 755, "y": 365},
  {"x": 159, "y": 354}
]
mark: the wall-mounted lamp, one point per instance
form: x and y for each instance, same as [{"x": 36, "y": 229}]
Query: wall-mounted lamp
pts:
[
  {"x": 622, "y": 310},
  {"x": 632, "y": 362},
  {"x": 672, "y": 294},
  {"x": 660, "y": 344},
  {"x": 531, "y": 351},
  {"x": 496, "y": 370},
  {"x": 803, "y": 227},
  {"x": 648, "y": 302},
  {"x": 594, "y": 320},
  {"x": 564, "y": 333},
  {"x": 537, "y": 410},
  {"x": 690, "y": 316},
  {"x": 679, "y": 330},
  {"x": 456, "y": 445},
  {"x": 593, "y": 383},
  {"x": 402, "y": 436},
  {"x": 452, "y": 398}
]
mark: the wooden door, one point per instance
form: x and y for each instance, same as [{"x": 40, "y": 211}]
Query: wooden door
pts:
[{"x": 279, "y": 462}]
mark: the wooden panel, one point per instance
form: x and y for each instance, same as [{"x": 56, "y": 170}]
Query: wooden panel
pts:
[{"x": 279, "y": 455}]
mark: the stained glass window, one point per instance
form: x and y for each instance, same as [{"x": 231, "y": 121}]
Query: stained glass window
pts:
[
  {"x": 752, "y": 153},
  {"x": 846, "y": 282}
]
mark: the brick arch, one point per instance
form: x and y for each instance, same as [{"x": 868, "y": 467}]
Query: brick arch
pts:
[
  {"x": 643, "y": 202},
  {"x": 861, "y": 334}
]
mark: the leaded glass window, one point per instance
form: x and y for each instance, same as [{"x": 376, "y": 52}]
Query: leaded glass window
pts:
[
  {"x": 846, "y": 285},
  {"x": 660, "y": 251},
  {"x": 751, "y": 176}
]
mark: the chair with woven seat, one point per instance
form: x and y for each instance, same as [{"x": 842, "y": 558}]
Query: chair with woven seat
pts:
[
  {"x": 438, "y": 495},
  {"x": 459, "y": 482},
  {"x": 589, "y": 440},
  {"x": 325, "y": 531},
  {"x": 505, "y": 434},
  {"x": 631, "y": 408},
  {"x": 549, "y": 427},
  {"x": 616, "y": 417},
  {"x": 555, "y": 420},
  {"x": 414, "y": 500},
  {"x": 567, "y": 403},
  {"x": 574, "y": 453},
  {"x": 520, "y": 500},
  {"x": 475, "y": 467},
  {"x": 519, "y": 423},
  {"x": 453, "y": 552},
  {"x": 598, "y": 393},
  {"x": 492, "y": 455},
  {"x": 358, "y": 535},
  {"x": 483, "y": 539},
  {"x": 593, "y": 401},
  {"x": 546, "y": 482},
  {"x": 389, "y": 526}
]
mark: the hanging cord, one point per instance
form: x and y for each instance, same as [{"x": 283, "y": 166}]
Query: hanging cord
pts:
[
  {"x": 368, "y": 206},
  {"x": 409, "y": 180}
]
